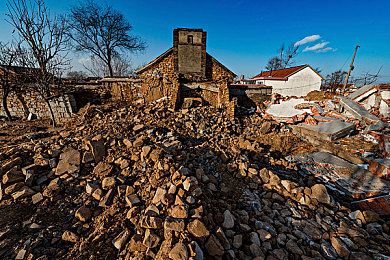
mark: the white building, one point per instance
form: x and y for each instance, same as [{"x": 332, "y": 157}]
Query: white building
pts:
[{"x": 294, "y": 81}]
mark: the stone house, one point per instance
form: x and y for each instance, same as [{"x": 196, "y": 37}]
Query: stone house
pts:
[
  {"x": 294, "y": 81},
  {"x": 185, "y": 71}
]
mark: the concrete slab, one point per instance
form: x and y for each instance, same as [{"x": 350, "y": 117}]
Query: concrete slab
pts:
[
  {"x": 358, "y": 111},
  {"x": 328, "y": 131},
  {"x": 285, "y": 111},
  {"x": 362, "y": 93},
  {"x": 344, "y": 177}
]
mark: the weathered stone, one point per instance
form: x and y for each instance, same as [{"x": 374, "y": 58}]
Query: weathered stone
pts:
[
  {"x": 222, "y": 238},
  {"x": 179, "y": 211},
  {"x": 120, "y": 240},
  {"x": 103, "y": 169},
  {"x": 69, "y": 162},
  {"x": 97, "y": 148},
  {"x": 198, "y": 229},
  {"x": 13, "y": 176},
  {"x": 196, "y": 252},
  {"x": 179, "y": 252},
  {"x": 320, "y": 193},
  {"x": 107, "y": 199},
  {"x": 13, "y": 188},
  {"x": 9, "y": 165},
  {"x": 264, "y": 235},
  {"x": 151, "y": 240},
  {"x": 151, "y": 222},
  {"x": 132, "y": 200},
  {"x": 341, "y": 249},
  {"x": 135, "y": 244},
  {"x": 228, "y": 220},
  {"x": 108, "y": 183},
  {"x": 97, "y": 194},
  {"x": 293, "y": 247},
  {"x": 52, "y": 190},
  {"x": 83, "y": 213},
  {"x": 214, "y": 247},
  {"x": 22, "y": 193},
  {"x": 70, "y": 237},
  {"x": 36, "y": 198},
  {"x": 237, "y": 241},
  {"x": 172, "y": 224}
]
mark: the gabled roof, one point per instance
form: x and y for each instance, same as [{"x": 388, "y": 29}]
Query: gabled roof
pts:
[
  {"x": 284, "y": 73},
  {"x": 156, "y": 60},
  {"x": 168, "y": 52},
  {"x": 220, "y": 64}
]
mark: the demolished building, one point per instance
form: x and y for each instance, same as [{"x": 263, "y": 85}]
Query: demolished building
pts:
[{"x": 186, "y": 71}]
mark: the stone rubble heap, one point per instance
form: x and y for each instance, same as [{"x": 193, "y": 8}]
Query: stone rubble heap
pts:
[{"x": 151, "y": 183}]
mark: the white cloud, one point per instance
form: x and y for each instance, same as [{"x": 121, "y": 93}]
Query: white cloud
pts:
[
  {"x": 326, "y": 49},
  {"x": 316, "y": 47},
  {"x": 84, "y": 60},
  {"x": 308, "y": 39}
]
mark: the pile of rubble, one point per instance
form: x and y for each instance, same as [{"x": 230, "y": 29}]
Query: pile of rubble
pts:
[
  {"x": 353, "y": 133},
  {"x": 149, "y": 182}
]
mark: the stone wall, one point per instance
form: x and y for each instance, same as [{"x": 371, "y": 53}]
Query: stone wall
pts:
[
  {"x": 250, "y": 96},
  {"x": 160, "y": 80},
  {"x": 63, "y": 106},
  {"x": 124, "y": 89}
]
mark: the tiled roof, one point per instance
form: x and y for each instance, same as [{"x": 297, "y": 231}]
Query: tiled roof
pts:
[{"x": 283, "y": 73}]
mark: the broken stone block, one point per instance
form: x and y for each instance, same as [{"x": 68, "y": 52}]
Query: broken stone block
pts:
[
  {"x": 83, "y": 213},
  {"x": 13, "y": 176},
  {"x": 179, "y": 252},
  {"x": 121, "y": 239},
  {"x": 70, "y": 237},
  {"x": 107, "y": 199},
  {"x": 228, "y": 220},
  {"x": 103, "y": 169},
  {"x": 10, "y": 164},
  {"x": 198, "y": 229},
  {"x": 151, "y": 240},
  {"x": 133, "y": 200},
  {"x": 13, "y": 188},
  {"x": 36, "y": 198},
  {"x": 214, "y": 247},
  {"x": 135, "y": 244},
  {"x": 98, "y": 148},
  {"x": 22, "y": 193},
  {"x": 69, "y": 162}
]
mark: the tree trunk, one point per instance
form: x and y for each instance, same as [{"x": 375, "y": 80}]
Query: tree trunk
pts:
[
  {"x": 53, "y": 119},
  {"x": 110, "y": 66},
  {"x": 24, "y": 104},
  {"x": 5, "y": 106}
]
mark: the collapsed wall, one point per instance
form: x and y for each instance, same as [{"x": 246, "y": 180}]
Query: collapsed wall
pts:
[{"x": 62, "y": 105}]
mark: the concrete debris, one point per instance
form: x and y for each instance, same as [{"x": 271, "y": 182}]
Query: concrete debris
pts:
[
  {"x": 358, "y": 111},
  {"x": 328, "y": 131}
]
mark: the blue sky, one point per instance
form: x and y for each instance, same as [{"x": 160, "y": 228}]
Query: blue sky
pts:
[{"x": 243, "y": 35}]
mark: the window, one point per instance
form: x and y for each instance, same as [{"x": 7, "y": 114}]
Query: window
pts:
[{"x": 190, "y": 39}]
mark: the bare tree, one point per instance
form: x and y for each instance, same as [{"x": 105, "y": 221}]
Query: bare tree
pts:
[
  {"x": 285, "y": 57},
  {"x": 45, "y": 38},
  {"x": 366, "y": 78},
  {"x": 121, "y": 67},
  {"x": 335, "y": 80},
  {"x": 273, "y": 64},
  {"x": 8, "y": 57},
  {"x": 102, "y": 31},
  {"x": 76, "y": 75}
]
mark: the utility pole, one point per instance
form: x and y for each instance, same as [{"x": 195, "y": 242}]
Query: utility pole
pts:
[{"x": 350, "y": 69}]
